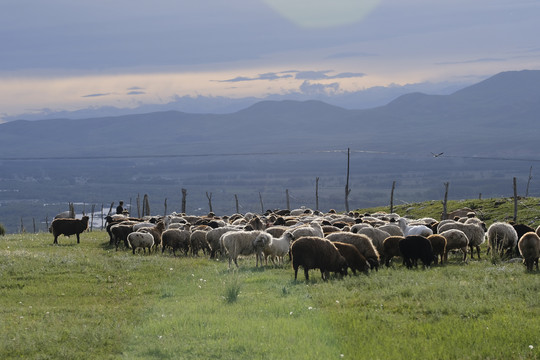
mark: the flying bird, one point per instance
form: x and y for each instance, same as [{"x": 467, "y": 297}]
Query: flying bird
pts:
[{"x": 437, "y": 155}]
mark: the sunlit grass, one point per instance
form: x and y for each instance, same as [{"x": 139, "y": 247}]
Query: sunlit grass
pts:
[{"x": 89, "y": 301}]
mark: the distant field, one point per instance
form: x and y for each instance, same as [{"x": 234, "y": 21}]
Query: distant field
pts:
[{"x": 87, "y": 301}]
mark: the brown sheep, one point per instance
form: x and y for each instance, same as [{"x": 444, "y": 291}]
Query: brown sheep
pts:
[
  {"x": 438, "y": 243},
  {"x": 313, "y": 252},
  {"x": 391, "y": 249},
  {"x": 529, "y": 248},
  {"x": 68, "y": 226},
  {"x": 355, "y": 260},
  {"x": 176, "y": 239},
  {"x": 362, "y": 242}
]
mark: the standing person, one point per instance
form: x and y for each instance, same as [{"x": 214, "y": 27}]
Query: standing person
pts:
[{"x": 120, "y": 208}]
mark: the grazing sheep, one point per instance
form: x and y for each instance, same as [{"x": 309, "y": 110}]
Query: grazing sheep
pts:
[
  {"x": 140, "y": 240},
  {"x": 392, "y": 229},
  {"x": 455, "y": 239},
  {"x": 142, "y": 225},
  {"x": 156, "y": 232},
  {"x": 176, "y": 239},
  {"x": 278, "y": 248},
  {"x": 312, "y": 229},
  {"x": 356, "y": 227},
  {"x": 328, "y": 229},
  {"x": 277, "y": 230},
  {"x": 110, "y": 224},
  {"x": 501, "y": 236},
  {"x": 213, "y": 236},
  {"x": 120, "y": 232},
  {"x": 242, "y": 242},
  {"x": 377, "y": 236},
  {"x": 521, "y": 229},
  {"x": 313, "y": 252},
  {"x": 362, "y": 242},
  {"x": 475, "y": 234},
  {"x": 198, "y": 242},
  {"x": 415, "y": 247},
  {"x": 67, "y": 227},
  {"x": 391, "y": 249},
  {"x": 355, "y": 260},
  {"x": 529, "y": 248},
  {"x": 421, "y": 230},
  {"x": 438, "y": 243}
]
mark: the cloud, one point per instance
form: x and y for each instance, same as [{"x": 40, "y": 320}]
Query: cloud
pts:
[
  {"x": 135, "y": 88},
  {"x": 96, "y": 95},
  {"x": 135, "y": 92},
  {"x": 322, "y": 75},
  {"x": 313, "y": 89},
  {"x": 266, "y": 76}
]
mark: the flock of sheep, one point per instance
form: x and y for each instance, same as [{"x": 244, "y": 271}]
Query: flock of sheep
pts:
[{"x": 330, "y": 242}]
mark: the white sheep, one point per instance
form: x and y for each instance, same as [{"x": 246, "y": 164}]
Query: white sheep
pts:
[
  {"x": 501, "y": 236},
  {"x": 529, "y": 249},
  {"x": 455, "y": 239},
  {"x": 392, "y": 229},
  {"x": 140, "y": 240},
  {"x": 242, "y": 242},
  {"x": 142, "y": 225},
  {"x": 376, "y": 235},
  {"x": 312, "y": 229},
  {"x": 421, "y": 230},
  {"x": 475, "y": 234},
  {"x": 278, "y": 247}
]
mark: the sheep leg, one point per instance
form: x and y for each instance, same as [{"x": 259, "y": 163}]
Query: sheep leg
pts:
[
  {"x": 478, "y": 251},
  {"x": 55, "y": 239},
  {"x": 306, "y": 274},
  {"x": 295, "y": 272}
]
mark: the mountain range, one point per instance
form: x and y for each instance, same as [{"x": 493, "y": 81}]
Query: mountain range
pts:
[{"x": 491, "y": 118}]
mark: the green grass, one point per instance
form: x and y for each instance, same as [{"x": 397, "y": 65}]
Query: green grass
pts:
[{"x": 87, "y": 301}]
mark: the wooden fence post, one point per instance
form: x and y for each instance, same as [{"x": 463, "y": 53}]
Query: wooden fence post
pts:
[
  {"x": 347, "y": 190},
  {"x": 184, "y": 194},
  {"x": 317, "y": 193},
  {"x": 236, "y": 201},
  {"x": 288, "y": 202},
  {"x": 392, "y": 197},
  {"x": 209, "y": 197},
  {"x": 515, "y": 201},
  {"x": 445, "y": 212}
]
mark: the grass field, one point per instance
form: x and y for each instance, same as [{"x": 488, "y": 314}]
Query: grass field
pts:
[{"x": 86, "y": 301}]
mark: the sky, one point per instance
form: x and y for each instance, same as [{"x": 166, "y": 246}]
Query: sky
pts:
[{"x": 65, "y": 55}]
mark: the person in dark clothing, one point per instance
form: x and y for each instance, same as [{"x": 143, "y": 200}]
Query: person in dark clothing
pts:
[{"x": 120, "y": 208}]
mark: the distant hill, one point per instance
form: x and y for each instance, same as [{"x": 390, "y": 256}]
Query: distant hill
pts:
[{"x": 492, "y": 117}]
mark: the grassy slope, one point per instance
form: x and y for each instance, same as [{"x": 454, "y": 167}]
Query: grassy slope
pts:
[{"x": 86, "y": 301}]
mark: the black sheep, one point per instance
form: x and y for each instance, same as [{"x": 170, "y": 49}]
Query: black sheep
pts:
[
  {"x": 415, "y": 247},
  {"x": 69, "y": 227},
  {"x": 313, "y": 252}
]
